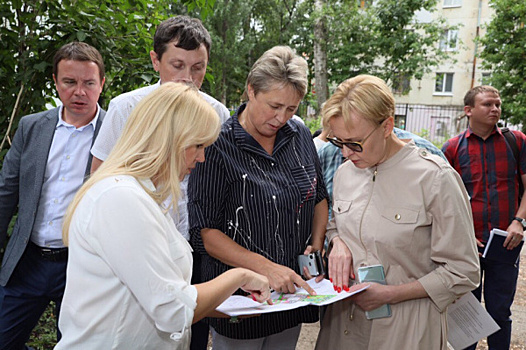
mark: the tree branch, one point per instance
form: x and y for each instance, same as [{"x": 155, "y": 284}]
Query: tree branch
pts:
[{"x": 6, "y": 136}]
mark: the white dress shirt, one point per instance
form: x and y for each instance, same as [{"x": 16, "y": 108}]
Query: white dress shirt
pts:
[
  {"x": 65, "y": 170},
  {"x": 128, "y": 275}
]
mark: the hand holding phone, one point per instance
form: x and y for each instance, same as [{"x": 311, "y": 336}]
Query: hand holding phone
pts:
[
  {"x": 374, "y": 273},
  {"x": 313, "y": 262}
]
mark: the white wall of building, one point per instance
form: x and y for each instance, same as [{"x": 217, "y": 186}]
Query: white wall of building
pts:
[{"x": 464, "y": 13}]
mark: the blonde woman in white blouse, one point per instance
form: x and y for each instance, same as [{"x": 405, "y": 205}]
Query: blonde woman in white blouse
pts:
[{"x": 129, "y": 269}]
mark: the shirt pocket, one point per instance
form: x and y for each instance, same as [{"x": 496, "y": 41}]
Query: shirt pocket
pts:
[
  {"x": 341, "y": 207},
  {"x": 398, "y": 226},
  {"x": 305, "y": 180}
]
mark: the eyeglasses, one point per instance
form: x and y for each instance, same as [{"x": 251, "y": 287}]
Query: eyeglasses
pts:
[{"x": 352, "y": 145}]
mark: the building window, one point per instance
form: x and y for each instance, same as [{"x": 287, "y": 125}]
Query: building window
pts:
[
  {"x": 401, "y": 84},
  {"x": 444, "y": 83},
  {"x": 452, "y": 3},
  {"x": 449, "y": 39}
]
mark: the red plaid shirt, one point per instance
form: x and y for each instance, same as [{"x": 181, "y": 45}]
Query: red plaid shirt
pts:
[{"x": 489, "y": 171}]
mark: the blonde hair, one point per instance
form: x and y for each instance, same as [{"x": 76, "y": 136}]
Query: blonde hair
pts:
[
  {"x": 366, "y": 95},
  {"x": 276, "y": 68},
  {"x": 153, "y": 142}
]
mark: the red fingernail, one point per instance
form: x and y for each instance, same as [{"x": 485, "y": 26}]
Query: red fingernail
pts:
[
  {"x": 339, "y": 290},
  {"x": 253, "y": 297},
  {"x": 330, "y": 279},
  {"x": 333, "y": 286},
  {"x": 346, "y": 288}
]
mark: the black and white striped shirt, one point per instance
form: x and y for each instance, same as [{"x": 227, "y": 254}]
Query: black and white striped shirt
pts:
[{"x": 265, "y": 203}]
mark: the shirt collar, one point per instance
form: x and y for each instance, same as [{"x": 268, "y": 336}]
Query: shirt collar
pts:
[
  {"x": 61, "y": 121},
  {"x": 470, "y": 133},
  {"x": 287, "y": 131}
]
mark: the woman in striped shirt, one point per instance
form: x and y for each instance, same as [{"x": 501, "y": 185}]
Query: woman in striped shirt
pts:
[{"x": 259, "y": 201}]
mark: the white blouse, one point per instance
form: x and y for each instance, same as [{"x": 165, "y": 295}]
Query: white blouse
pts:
[{"x": 128, "y": 275}]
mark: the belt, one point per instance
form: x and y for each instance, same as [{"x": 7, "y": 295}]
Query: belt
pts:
[{"x": 52, "y": 254}]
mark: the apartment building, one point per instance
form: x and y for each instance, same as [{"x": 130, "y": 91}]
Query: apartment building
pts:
[{"x": 434, "y": 105}]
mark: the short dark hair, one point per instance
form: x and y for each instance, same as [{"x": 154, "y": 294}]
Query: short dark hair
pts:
[
  {"x": 469, "y": 98},
  {"x": 188, "y": 32},
  {"x": 79, "y": 51}
]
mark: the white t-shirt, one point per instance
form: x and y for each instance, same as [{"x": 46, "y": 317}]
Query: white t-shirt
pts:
[
  {"x": 120, "y": 109},
  {"x": 128, "y": 275},
  {"x": 111, "y": 129}
]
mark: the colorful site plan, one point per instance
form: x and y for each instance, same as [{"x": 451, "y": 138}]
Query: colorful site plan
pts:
[{"x": 238, "y": 305}]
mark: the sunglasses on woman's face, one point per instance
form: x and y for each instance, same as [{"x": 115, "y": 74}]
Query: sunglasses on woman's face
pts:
[{"x": 352, "y": 145}]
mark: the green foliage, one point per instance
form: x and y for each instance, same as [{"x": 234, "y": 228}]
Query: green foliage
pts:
[
  {"x": 241, "y": 31},
  {"x": 232, "y": 41},
  {"x": 505, "y": 54},
  {"x": 44, "y": 335},
  {"x": 205, "y": 7},
  {"x": 425, "y": 134},
  {"x": 313, "y": 124}
]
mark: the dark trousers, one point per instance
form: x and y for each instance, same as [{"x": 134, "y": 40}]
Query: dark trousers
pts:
[
  {"x": 498, "y": 283},
  {"x": 34, "y": 283},
  {"x": 200, "y": 329}
]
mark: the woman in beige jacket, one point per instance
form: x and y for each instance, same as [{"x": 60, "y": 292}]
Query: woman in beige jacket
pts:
[{"x": 397, "y": 206}]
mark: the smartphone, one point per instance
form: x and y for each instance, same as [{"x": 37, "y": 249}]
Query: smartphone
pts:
[
  {"x": 374, "y": 273},
  {"x": 313, "y": 262}
]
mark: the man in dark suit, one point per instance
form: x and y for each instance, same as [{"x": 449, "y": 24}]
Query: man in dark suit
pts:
[{"x": 41, "y": 173}]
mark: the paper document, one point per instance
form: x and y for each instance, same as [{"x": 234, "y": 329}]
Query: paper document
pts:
[
  {"x": 468, "y": 322},
  {"x": 238, "y": 305}
]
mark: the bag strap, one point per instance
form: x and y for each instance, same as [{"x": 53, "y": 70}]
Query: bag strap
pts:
[{"x": 512, "y": 142}]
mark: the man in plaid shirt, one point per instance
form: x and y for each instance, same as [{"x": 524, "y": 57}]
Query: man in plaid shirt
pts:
[{"x": 490, "y": 172}]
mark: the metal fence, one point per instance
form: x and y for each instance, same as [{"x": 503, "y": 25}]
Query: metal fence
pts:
[{"x": 435, "y": 123}]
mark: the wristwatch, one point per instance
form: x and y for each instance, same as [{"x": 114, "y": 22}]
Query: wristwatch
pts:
[{"x": 522, "y": 221}]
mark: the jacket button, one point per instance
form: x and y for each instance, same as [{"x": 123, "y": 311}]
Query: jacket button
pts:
[{"x": 397, "y": 217}]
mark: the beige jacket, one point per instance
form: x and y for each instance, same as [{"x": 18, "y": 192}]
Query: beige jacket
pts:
[{"x": 413, "y": 217}]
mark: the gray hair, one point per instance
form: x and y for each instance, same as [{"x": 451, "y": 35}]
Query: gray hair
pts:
[{"x": 278, "y": 66}]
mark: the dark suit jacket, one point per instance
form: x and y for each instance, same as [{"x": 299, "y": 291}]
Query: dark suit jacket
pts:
[{"x": 21, "y": 182}]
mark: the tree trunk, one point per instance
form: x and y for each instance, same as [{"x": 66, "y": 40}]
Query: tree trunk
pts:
[{"x": 320, "y": 55}]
